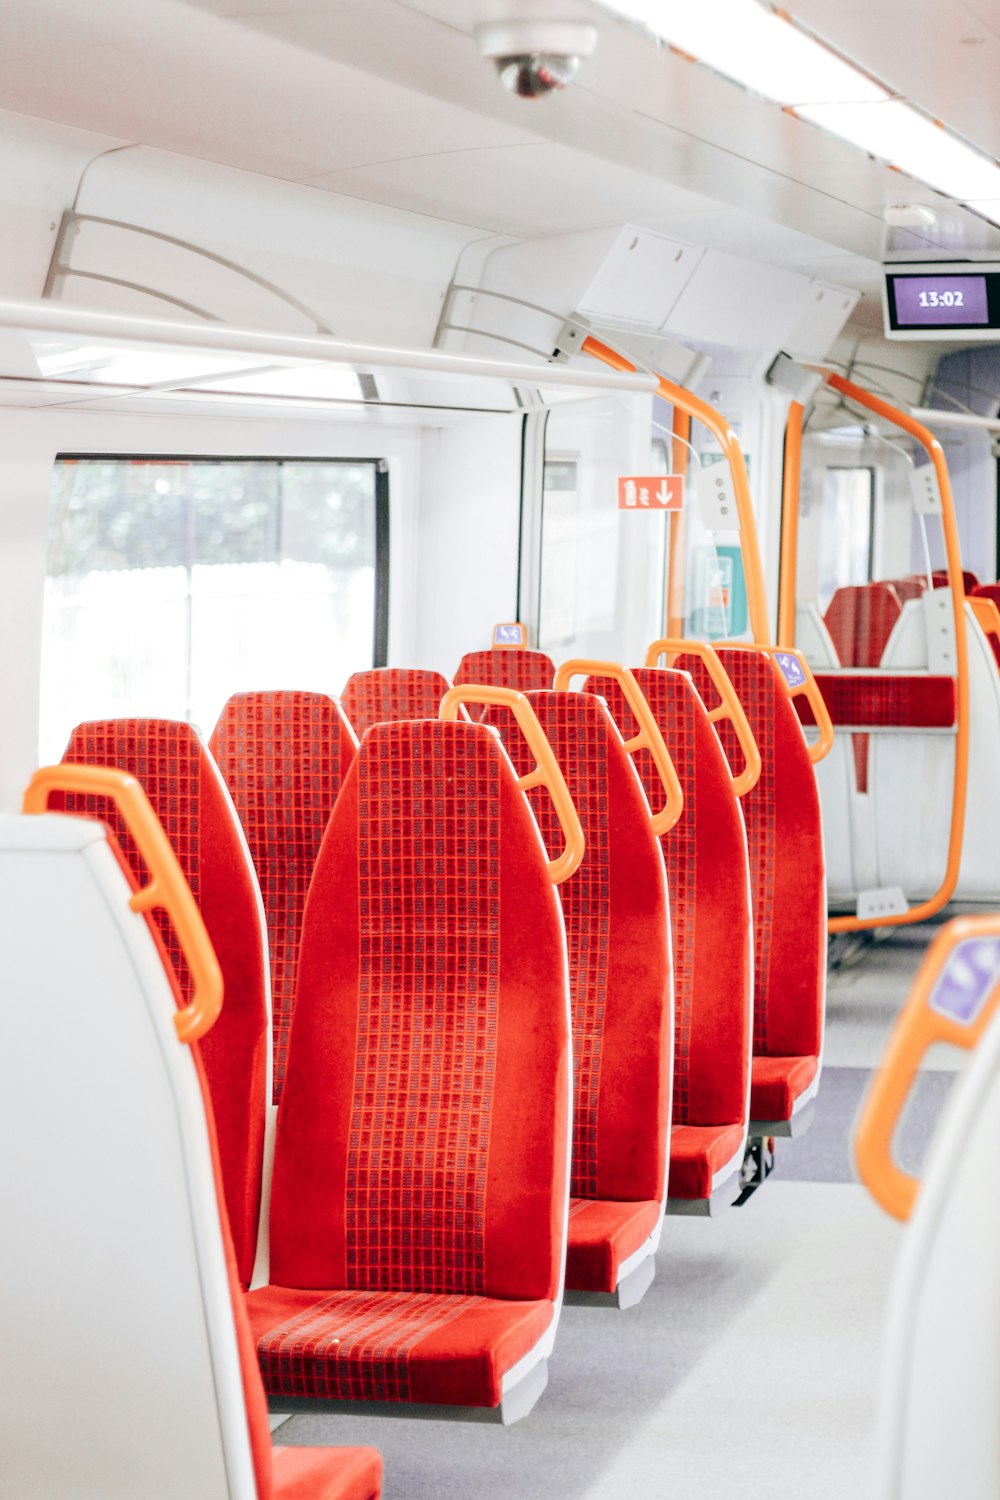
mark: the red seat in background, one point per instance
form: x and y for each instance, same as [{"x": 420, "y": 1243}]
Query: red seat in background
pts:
[
  {"x": 860, "y": 620},
  {"x": 708, "y": 882},
  {"x": 617, "y": 931},
  {"x": 190, "y": 799},
  {"x": 419, "y": 1196},
  {"x": 788, "y": 882},
  {"x": 506, "y": 666},
  {"x": 969, "y": 580},
  {"x": 283, "y": 757},
  {"x": 385, "y": 695}
]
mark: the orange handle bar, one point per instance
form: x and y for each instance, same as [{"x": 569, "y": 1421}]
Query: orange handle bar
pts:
[
  {"x": 649, "y": 736},
  {"x": 729, "y": 708},
  {"x": 799, "y": 681},
  {"x": 954, "y": 998},
  {"x": 987, "y": 616},
  {"x": 167, "y": 888},
  {"x": 546, "y": 772}
]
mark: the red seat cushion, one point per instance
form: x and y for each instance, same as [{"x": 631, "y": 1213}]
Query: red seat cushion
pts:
[
  {"x": 706, "y": 858},
  {"x": 283, "y": 757},
  {"x": 189, "y": 798},
  {"x": 777, "y": 1083},
  {"x": 385, "y": 695},
  {"x": 602, "y": 1236},
  {"x": 786, "y": 862},
  {"x": 391, "y": 1346},
  {"x": 326, "y": 1474},
  {"x": 506, "y": 666},
  {"x": 697, "y": 1153}
]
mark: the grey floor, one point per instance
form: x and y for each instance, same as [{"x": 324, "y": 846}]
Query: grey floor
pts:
[{"x": 750, "y": 1369}]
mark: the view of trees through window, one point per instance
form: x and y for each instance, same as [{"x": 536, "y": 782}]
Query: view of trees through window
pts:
[{"x": 173, "y": 583}]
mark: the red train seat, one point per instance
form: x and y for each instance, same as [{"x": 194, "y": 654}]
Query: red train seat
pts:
[
  {"x": 618, "y": 937},
  {"x": 708, "y": 882},
  {"x": 788, "y": 882},
  {"x": 969, "y": 580},
  {"x": 861, "y": 619},
  {"x": 913, "y": 586},
  {"x": 420, "y": 1191},
  {"x": 283, "y": 757},
  {"x": 506, "y": 666},
  {"x": 134, "y": 1371},
  {"x": 384, "y": 695},
  {"x": 190, "y": 798}
]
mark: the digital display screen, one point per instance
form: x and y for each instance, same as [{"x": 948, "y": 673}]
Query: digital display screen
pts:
[{"x": 939, "y": 301}]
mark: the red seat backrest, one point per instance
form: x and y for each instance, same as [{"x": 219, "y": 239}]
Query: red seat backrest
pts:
[
  {"x": 189, "y": 798},
  {"x": 506, "y": 666},
  {"x": 385, "y": 695},
  {"x": 913, "y": 587},
  {"x": 969, "y": 580},
  {"x": 706, "y": 859},
  {"x": 785, "y": 840},
  {"x": 283, "y": 757},
  {"x": 617, "y": 934},
  {"x": 860, "y": 620},
  {"x": 423, "y": 1134}
]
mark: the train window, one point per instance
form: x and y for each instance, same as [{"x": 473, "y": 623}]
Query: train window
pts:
[
  {"x": 173, "y": 583},
  {"x": 846, "y": 532},
  {"x": 602, "y": 574}
]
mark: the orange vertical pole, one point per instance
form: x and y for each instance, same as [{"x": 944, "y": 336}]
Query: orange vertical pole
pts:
[
  {"x": 790, "y": 495},
  {"x": 679, "y": 459}
]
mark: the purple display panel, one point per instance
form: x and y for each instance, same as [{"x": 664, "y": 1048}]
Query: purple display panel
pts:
[
  {"x": 937, "y": 301},
  {"x": 791, "y": 671},
  {"x": 968, "y": 981}
]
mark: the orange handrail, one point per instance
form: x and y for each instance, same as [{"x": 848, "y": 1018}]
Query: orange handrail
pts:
[
  {"x": 547, "y": 772},
  {"x": 987, "y": 616},
  {"x": 679, "y": 462},
  {"x": 729, "y": 708},
  {"x": 649, "y": 736},
  {"x": 695, "y": 407},
  {"x": 791, "y": 484},
  {"x": 810, "y": 689},
  {"x": 167, "y": 888},
  {"x": 934, "y": 1012},
  {"x": 927, "y": 440}
]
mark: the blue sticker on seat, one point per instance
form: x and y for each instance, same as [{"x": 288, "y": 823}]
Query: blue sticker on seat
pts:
[
  {"x": 968, "y": 980},
  {"x": 791, "y": 669}
]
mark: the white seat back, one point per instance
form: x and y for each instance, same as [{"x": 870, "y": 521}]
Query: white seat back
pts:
[{"x": 120, "y": 1374}]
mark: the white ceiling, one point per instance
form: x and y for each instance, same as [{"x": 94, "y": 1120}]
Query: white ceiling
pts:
[{"x": 388, "y": 101}]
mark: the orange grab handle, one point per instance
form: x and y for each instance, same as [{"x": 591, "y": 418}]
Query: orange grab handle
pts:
[
  {"x": 167, "y": 888},
  {"x": 546, "y": 772},
  {"x": 807, "y": 687},
  {"x": 703, "y": 412},
  {"x": 933, "y": 449},
  {"x": 649, "y": 736},
  {"x": 730, "y": 707},
  {"x": 987, "y": 616},
  {"x": 954, "y": 998}
]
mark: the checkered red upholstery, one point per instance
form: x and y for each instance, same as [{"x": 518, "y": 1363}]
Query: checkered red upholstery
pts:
[
  {"x": 189, "y": 798},
  {"x": 420, "y": 1160},
  {"x": 384, "y": 695},
  {"x": 283, "y": 757},
  {"x": 787, "y": 879},
  {"x": 506, "y": 666},
  {"x": 617, "y": 932},
  {"x": 916, "y": 701},
  {"x": 706, "y": 862}
]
